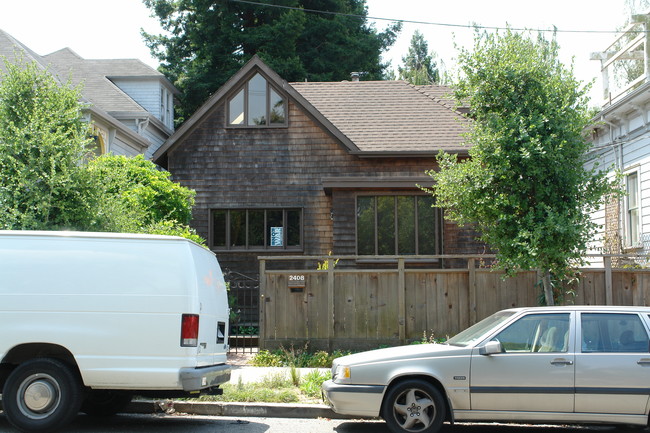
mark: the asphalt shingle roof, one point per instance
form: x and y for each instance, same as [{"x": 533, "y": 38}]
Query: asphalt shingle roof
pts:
[
  {"x": 93, "y": 73},
  {"x": 389, "y": 116}
]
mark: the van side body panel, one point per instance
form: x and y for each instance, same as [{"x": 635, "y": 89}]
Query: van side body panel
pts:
[{"x": 115, "y": 302}]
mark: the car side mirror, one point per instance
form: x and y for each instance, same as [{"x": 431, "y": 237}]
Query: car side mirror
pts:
[{"x": 490, "y": 348}]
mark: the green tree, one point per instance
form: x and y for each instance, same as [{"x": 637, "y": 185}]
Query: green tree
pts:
[
  {"x": 42, "y": 140},
  {"x": 136, "y": 197},
  {"x": 524, "y": 185},
  {"x": 207, "y": 41},
  {"x": 420, "y": 66},
  {"x": 46, "y": 181}
]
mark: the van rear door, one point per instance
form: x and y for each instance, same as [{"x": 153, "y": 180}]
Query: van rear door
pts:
[{"x": 213, "y": 308}]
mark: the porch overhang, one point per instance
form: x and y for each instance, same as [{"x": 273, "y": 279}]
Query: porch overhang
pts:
[{"x": 379, "y": 182}]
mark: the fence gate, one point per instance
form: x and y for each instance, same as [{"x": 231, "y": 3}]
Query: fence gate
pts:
[{"x": 243, "y": 299}]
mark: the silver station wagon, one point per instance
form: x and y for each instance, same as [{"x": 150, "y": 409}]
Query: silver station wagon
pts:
[{"x": 535, "y": 365}]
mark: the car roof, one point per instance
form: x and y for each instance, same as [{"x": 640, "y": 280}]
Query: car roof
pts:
[{"x": 625, "y": 308}]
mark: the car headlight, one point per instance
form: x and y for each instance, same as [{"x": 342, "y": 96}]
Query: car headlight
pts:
[{"x": 342, "y": 373}]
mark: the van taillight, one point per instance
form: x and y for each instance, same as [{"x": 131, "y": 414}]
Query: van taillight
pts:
[{"x": 190, "y": 330}]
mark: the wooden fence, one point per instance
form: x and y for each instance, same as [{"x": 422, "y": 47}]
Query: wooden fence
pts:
[{"x": 345, "y": 307}]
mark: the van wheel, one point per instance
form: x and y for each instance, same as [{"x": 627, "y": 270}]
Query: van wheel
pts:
[
  {"x": 105, "y": 402},
  {"x": 41, "y": 395},
  {"x": 414, "y": 406}
]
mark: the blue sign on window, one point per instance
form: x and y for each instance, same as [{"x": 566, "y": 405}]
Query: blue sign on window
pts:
[{"x": 276, "y": 236}]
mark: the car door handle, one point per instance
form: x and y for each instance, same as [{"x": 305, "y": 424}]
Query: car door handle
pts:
[
  {"x": 562, "y": 361},
  {"x": 643, "y": 361}
]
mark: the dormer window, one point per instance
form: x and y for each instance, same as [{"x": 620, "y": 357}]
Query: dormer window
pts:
[{"x": 257, "y": 103}]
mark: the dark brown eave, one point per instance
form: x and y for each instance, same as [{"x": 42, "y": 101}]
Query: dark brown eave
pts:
[
  {"x": 379, "y": 182},
  {"x": 464, "y": 152}
]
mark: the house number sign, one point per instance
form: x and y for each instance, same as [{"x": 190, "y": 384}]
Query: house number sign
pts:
[{"x": 296, "y": 283}]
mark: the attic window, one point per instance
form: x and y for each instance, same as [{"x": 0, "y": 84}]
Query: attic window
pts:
[{"x": 257, "y": 104}]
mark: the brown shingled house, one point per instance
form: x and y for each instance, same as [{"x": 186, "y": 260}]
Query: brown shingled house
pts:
[{"x": 309, "y": 168}]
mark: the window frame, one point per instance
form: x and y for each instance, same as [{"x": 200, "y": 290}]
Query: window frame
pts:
[
  {"x": 628, "y": 223},
  {"x": 602, "y": 320},
  {"x": 269, "y": 87},
  {"x": 256, "y": 248},
  {"x": 537, "y": 345},
  {"x": 437, "y": 224}
]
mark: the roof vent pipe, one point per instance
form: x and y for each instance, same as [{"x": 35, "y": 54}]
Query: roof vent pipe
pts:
[{"x": 354, "y": 76}]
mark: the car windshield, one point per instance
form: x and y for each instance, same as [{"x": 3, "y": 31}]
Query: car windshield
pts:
[{"x": 476, "y": 331}]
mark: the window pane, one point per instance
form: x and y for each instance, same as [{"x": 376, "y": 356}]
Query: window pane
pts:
[
  {"x": 426, "y": 226},
  {"x": 537, "y": 333},
  {"x": 603, "y": 332},
  {"x": 219, "y": 228},
  {"x": 255, "y": 228},
  {"x": 406, "y": 225},
  {"x": 237, "y": 228},
  {"x": 293, "y": 228},
  {"x": 236, "y": 109},
  {"x": 632, "y": 190},
  {"x": 632, "y": 209},
  {"x": 366, "y": 226},
  {"x": 386, "y": 225},
  {"x": 278, "y": 111},
  {"x": 257, "y": 100},
  {"x": 275, "y": 235}
]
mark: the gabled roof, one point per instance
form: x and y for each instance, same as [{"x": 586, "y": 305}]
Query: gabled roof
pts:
[
  {"x": 369, "y": 118},
  {"x": 11, "y": 49}
]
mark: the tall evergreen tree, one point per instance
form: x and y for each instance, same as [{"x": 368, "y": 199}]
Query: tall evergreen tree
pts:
[
  {"x": 420, "y": 66},
  {"x": 207, "y": 41}
]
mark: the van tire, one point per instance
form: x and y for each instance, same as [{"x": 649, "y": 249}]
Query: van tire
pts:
[
  {"x": 41, "y": 395},
  {"x": 102, "y": 403}
]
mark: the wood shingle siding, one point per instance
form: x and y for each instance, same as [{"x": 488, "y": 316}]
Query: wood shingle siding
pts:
[{"x": 341, "y": 141}]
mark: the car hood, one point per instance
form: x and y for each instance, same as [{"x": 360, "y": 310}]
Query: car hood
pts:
[{"x": 402, "y": 352}]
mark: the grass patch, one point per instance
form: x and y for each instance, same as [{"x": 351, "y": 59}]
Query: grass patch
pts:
[{"x": 274, "y": 388}]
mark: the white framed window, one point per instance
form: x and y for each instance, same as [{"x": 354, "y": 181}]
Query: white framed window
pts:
[
  {"x": 632, "y": 209},
  {"x": 170, "y": 109},
  {"x": 163, "y": 105}
]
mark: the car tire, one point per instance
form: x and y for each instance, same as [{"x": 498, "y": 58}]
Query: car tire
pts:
[
  {"x": 101, "y": 403},
  {"x": 41, "y": 395},
  {"x": 414, "y": 406}
]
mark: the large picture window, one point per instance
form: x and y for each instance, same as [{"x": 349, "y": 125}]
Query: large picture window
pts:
[
  {"x": 397, "y": 225},
  {"x": 257, "y": 103},
  {"x": 256, "y": 229}
]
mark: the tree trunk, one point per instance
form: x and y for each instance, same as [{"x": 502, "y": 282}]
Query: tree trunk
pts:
[{"x": 548, "y": 288}]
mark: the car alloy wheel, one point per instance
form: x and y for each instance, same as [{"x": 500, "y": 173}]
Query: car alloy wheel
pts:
[{"x": 414, "y": 406}]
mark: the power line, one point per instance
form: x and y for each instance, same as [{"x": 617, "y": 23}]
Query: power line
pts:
[{"x": 429, "y": 23}]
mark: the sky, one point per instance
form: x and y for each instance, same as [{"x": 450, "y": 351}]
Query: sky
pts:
[{"x": 97, "y": 29}]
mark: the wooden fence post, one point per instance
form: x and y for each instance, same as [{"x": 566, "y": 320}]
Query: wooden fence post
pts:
[
  {"x": 262, "y": 322},
  {"x": 401, "y": 300},
  {"x": 330, "y": 305},
  {"x": 609, "y": 298},
  {"x": 471, "y": 265}
]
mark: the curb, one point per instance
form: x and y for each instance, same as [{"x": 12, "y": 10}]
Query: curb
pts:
[{"x": 265, "y": 410}]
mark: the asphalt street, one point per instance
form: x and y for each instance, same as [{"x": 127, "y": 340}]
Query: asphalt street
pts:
[{"x": 143, "y": 423}]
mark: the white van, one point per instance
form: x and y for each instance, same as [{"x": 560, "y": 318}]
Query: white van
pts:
[{"x": 87, "y": 320}]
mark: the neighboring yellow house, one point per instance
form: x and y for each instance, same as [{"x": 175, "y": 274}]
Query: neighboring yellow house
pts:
[{"x": 131, "y": 105}]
